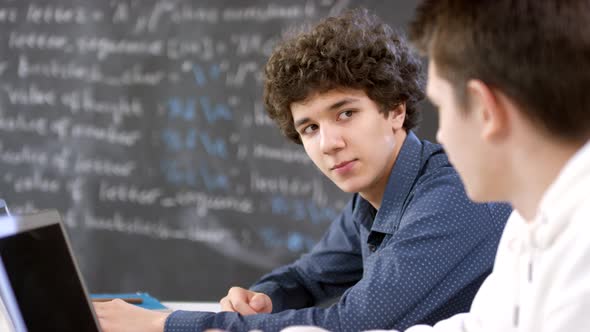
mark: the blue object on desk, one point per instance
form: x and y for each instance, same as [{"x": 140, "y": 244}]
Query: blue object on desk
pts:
[{"x": 148, "y": 301}]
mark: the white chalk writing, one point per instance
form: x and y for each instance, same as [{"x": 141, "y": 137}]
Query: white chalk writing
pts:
[
  {"x": 108, "y": 135},
  {"x": 286, "y": 155},
  {"x": 104, "y": 167},
  {"x": 91, "y": 74},
  {"x": 205, "y": 202},
  {"x": 59, "y": 14},
  {"x": 128, "y": 194},
  {"x": 23, "y": 156},
  {"x": 85, "y": 101},
  {"x": 282, "y": 185},
  {"x": 37, "y": 41},
  {"x": 36, "y": 182},
  {"x": 156, "y": 229},
  {"x": 22, "y": 124},
  {"x": 30, "y": 96}
]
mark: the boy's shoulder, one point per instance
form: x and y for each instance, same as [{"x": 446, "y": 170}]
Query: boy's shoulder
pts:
[
  {"x": 437, "y": 173},
  {"x": 434, "y": 162}
]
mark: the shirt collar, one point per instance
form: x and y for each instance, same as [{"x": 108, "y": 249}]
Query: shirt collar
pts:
[
  {"x": 570, "y": 177},
  {"x": 401, "y": 180}
]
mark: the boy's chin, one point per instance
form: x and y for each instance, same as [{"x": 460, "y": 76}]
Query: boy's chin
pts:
[{"x": 349, "y": 187}]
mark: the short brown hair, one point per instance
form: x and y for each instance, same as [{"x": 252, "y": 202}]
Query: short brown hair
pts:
[
  {"x": 537, "y": 52},
  {"x": 354, "y": 50}
]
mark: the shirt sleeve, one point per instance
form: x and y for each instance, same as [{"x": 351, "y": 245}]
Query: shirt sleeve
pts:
[
  {"x": 333, "y": 265},
  {"x": 399, "y": 286}
]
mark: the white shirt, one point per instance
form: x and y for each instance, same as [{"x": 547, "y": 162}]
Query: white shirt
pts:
[{"x": 541, "y": 276}]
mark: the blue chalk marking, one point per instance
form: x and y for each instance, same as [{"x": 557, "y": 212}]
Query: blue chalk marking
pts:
[
  {"x": 214, "y": 147},
  {"x": 177, "y": 108},
  {"x": 214, "y": 113},
  {"x": 199, "y": 75}
]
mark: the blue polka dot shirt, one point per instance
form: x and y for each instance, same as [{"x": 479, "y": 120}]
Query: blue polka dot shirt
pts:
[{"x": 419, "y": 259}]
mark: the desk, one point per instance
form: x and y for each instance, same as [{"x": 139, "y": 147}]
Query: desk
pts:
[
  {"x": 194, "y": 306},
  {"x": 190, "y": 306}
]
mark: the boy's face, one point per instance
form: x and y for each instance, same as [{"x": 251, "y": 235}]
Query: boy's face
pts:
[
  {"x": 349, "y": 140},
  {"x": 460, "y": 132}
]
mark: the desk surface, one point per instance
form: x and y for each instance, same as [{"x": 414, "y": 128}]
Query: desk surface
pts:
[
  {"x": 193, "y": 306},
  {"x": 190, "y": 306}
]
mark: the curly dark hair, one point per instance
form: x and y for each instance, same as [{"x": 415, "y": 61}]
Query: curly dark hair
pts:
[{"x": 353, "y": 50}]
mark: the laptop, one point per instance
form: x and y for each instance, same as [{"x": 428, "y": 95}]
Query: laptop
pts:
[{"x": 42, "y": 285}]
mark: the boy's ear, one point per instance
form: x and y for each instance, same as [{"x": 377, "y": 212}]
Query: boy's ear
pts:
[
  {"x": 397, "y": 116},
  {"x": 488, "y": 108}
]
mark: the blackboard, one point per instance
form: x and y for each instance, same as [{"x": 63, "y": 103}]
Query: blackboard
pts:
[{"x": 142, "y": 123}]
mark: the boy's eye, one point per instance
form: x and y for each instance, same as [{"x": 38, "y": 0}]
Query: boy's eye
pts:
[
  {"x": 309, "y": 129},
  {"x": 345, "y": 115}
]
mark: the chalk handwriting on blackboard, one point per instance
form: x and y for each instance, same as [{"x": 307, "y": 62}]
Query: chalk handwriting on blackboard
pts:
[{"x": 142, "y": 122}]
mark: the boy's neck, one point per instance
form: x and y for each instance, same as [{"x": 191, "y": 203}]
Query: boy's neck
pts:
[
  {"x": 535, "y": 166},
  {"x": 374, "y": 195}
]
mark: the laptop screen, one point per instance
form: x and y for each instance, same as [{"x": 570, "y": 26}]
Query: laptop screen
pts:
[
  {"x": 11, "y": 318},
  {"x": 43, "y": 274}
]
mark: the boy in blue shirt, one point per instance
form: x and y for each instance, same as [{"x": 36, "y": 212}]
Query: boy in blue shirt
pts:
[{"x": 409, "y": 247}]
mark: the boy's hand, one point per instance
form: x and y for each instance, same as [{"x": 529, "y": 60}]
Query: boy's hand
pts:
[
  {"x": 120, "y": 316},
  {"x": 246, "y": 302}
]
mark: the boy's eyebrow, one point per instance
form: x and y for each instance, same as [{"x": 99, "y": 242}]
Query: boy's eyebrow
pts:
[
  {"x": 301, "y": 121},
  {"x": 332, "y": 107},
  {"x": 341, "y": 103}
]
